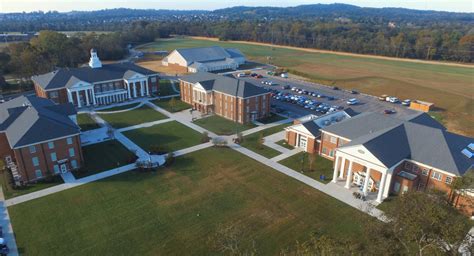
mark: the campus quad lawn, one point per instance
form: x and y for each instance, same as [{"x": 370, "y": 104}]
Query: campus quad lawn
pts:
[
  {"x": 166, "y": 137},
  {"x": 104, "y": 156},
  {"x": 10, "y": 192},
  {"x": 271, "y": 119},
  {"x": 177, "y": 211},
  {"x": 118, "y": 108},
  {"x": 165, "y": 104},
  {"x": 449, "y": 87},
  {"x": 251, "y": 141},
  {"x": 321, "y": 165},
  {"x": 86, "y": 122},
  {"x": 143, "y": 114},
  {"x": 222, "y": 126}
]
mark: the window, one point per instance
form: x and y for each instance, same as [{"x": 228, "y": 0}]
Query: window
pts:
[
  {"x": 32, "y": 149},
  {"x": 56, "y": 168},
  {"x": 333, "y": 139},
  {"x": 408, "y": 166},
  {"x": 325, "y": 150},
  {"x": 449, "y": 179},
  {"x": 331, "y": 153},
  {"x": 424, "y": 172},
  {"x": 69, "y": 141},
  {"x": 436, "y": 176},
  {"x": 72, "y": 152},
  {"x": 35, "y": 161},
  {"x": 39, "y": 174},
  {"x": 153, "y": 79},
  {"x": 53, "y": 94},
  {"x": 74, "y": 164},
  {"x": 51, "y": 145},
  {"x": 53, "y": 157},
  {"x": 340, "y": 142}
]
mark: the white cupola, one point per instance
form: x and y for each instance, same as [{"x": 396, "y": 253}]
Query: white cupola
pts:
[{"x": 94, "y": 62}]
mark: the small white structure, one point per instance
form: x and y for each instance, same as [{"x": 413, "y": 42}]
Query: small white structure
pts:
[
  {"x": 94, "y": 61},
  {"x": 205, "y": 59}
]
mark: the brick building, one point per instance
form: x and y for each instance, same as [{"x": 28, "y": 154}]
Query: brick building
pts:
[
  {"x": 231, "y": 98},
  {"x": 38, "y": 138},
  {"x": 397, "y": 155},
  {"x": 96, "y": 84}
]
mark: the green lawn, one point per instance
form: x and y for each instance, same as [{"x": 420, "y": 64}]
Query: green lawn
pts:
[
  {"x": 321, "y": 166},
  {"x": 10, "y": 192},
  {"x": 165, "y": 88},
  {"x": 118, "y": 108},
  {"x": 449, "y": 87},
  {"x": 284, "y": 144},
  {"x": 86, "y": 122},
  {"x": 168, "y": 105},
  {"x": 104, "y": 156},
  {"x": 179, "y": 210},
  {"x": 140, "y": 115},
  {"x": 271, "y": 119},
  {"x": 251, "y": 141},
  {"x": 222, "y": 126},
  {"x": 166, "y": 137}
]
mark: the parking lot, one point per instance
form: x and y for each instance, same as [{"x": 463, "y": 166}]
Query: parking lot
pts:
[{"x": 330, "y": 97}]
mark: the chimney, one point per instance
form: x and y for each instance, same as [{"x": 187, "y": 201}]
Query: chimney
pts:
[{"x": 94, "y": 61}]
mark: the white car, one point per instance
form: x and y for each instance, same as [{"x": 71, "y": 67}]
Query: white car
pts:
[
  {"x": 284, "y": 75},
  {"x": 241, "y": 75},
  {"x": 406, "y": 102},
  {"x": 353, "y": 101},
  {"x": 394, "y": 100}
]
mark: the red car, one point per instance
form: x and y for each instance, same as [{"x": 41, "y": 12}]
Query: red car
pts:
[{"x": 389, "y": 111}]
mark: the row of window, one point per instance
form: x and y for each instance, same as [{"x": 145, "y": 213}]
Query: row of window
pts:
[
  {"x": 56, "y": 169},
  {"x": 425, "y": 172},
  {"x": 35, "y": 160},
  {"x": 325, "y": 152},
  {"x": 50, "y": 145}
]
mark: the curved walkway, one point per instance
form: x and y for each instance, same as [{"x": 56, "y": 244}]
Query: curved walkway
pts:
[{"x": 122, "y": 110}]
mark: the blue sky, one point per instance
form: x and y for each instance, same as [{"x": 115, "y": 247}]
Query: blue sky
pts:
[{"x": 68, "y": 5}]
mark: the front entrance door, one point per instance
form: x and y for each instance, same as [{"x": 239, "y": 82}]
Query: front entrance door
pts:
[
  {"x": 63, "y": 168},
  {"x": 396, "y": 187},
  {"x": 303, "y": 142}
]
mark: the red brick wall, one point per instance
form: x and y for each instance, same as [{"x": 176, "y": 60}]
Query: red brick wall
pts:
[
  {"x": 327, "y": 146},
  {"x": 5, "y": 149},
  {"x": 24, "y": 158}
]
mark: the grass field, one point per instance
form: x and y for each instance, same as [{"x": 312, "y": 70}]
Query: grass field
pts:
[
  {"x": 166, "y": 88},
  {"x": 118, "y": 108},
  {"x": 251, "y": 141},
  {"x": 140, "y": 115},
  {"x": 86, "y": 122},
  {"x": 222, "y": 126},
  {"x": 284, "y": 144},
  {"x": 321, "y": 166},
  {"x": 165, "y": 104},
  {"x": 166, "y": 137},
  {"x": 104, "y": 156},
  {"x": 179, "y": 210},
  {"x": 9, "y": 191},
  {"x": 449, "y": 87}
]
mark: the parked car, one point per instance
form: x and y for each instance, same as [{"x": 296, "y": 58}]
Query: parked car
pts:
[
  {"x": 353, "y": 101},
  {"x": 335, "y": 88},
  {"x": 241, "y": 75},
  {"x": 259, "y": 76},
  {"x": 393, "y": 100},
  {"x": 294, "y": 88},
  {"x": 284, "y": 75},
  {"x": 406, "y": 102},
  {"x": 383, "y": 97},
  {"x": 389, "y": 111},
  {"x": 331, "y": 98},
  {"x": 354, "y": 92},
  {"x": 285, "y": 87},
  {"x": 253, "y": 74}
]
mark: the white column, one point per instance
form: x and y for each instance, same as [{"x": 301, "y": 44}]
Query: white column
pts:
[
  {"x": 69, "y": 96},
  {"x": 146, "y": 88},
  {"x": 142, "y": 93},
  {"x": 349, "y": 175},
  {"x": 87, "y": 97},
  {"x": 343, "y": 164},
  {"x": 134, "y": 90},
  {"x": 336, "y": 168},
  {"x": 94, "y": 100},
  {"x": 366, "y": 182},
  {"x": 382, "y": 186},
  {"x": 128, "y": 90},
  {"x": 78, "y": 99}
]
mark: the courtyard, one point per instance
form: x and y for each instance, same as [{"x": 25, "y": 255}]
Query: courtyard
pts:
[
  {"x": 222, "y": 126},
  {"x": 164, "y": 138},
  {"x": 180, "y": 209},
  {"x": 86, "y": 122},
  {"x": 136, "y": 116},
  {"x": 171, "y": 104}
]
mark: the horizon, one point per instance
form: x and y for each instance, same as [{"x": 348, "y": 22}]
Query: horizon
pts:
[{"x": 6, "y": 6}]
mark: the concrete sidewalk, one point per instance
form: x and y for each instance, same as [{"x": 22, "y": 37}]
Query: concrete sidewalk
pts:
[
  {"x": 144, "y": 125},
  {"x": 286, "y": 154},
  {"x": 330, "y": 189},
  {"x": 68, "y": 177}
]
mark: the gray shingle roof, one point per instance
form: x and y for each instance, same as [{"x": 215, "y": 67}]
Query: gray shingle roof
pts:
[
  {"x": 416, "y": 138},
  {"x": 224, "y": 84},
  {"x": 30, "y": 120},
  {"x": 312, "y": 127},
  {"x": 207, "y": 54},
  {"x": 65, "y": 77}
]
